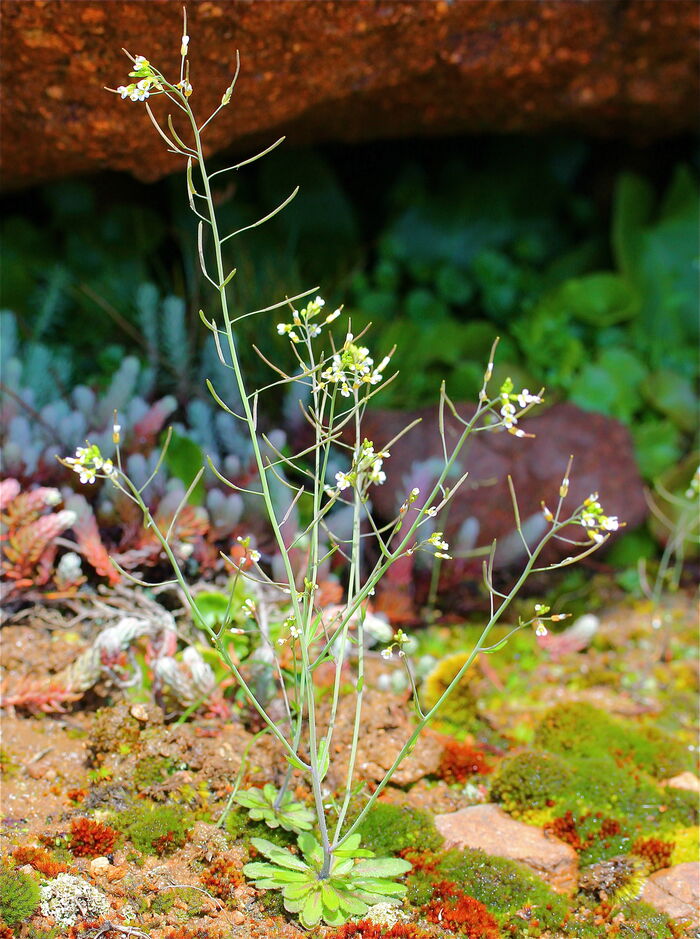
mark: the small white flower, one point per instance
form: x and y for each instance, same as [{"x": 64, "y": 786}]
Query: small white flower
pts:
[
  {"x": 314, "y": 331},
  {"x": 541, "y": 630},
  {"x": 437, "y": 542},
  {"x": 140, "y": 62},
  {"x": 283, "y": 328},
  {"x": 525, "y": 398},
  {"x": 441, "y": 554},
  {"x": 610, "y": 523},
  {"x": 387, "y": 653},
  {"x": 294, "y": 632},
  {"x": 333, "y": 316},
  {"x": 254, "y": 555},
  {"x": 123, "y": 91},
  {"x": 431, "y": 512},
  {"x": 185, "y": 44},
  {"x": 343, "y": 481}
]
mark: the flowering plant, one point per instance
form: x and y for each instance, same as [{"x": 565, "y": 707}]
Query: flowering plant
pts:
[{"x": 333, "y": 878}]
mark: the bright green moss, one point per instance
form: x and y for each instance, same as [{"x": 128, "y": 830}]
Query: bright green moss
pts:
[
  {"x": 154, "y": 829},
  {"x": 640, "y": 920},
  {"x": 150, "y": 771},
  {"x": 460, "y": 707},
  {"x": 504, "y": 887},
  {"x": 644, "y": 922},
  {"x": 578, "y": 727},
  {"x": 19, "y": 896},
  {"x": 530, "y": 780},
  {"x": 241, "y": 827},
  {"x": 388, "y": 829},
  {"x": 602, "y": 785},
  {"x": 8, "y": 764},
  {"x": 686, "y": 844}
]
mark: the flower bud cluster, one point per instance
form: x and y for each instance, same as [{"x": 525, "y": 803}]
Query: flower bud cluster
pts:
[
  {"x": 436, "y": 541},
  {"x": 366, "y": 469},
  {"x": 252, "y": 554},
  {"x": 400, "y": 640},
  {"x": 541, "y": 609},
  {"x": 594, "y": 520},
  {"x": 89, "y": 463},
  {"x": 301, "y": 326},
  {"x": 290, "y": 625},
  {"x": 509, "y": 411},
  {"x": 351, "y": 368},
  {"x": 140, "y": 90}
]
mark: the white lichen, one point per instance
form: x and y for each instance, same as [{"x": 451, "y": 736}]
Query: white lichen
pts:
[{"x": 67, "y": 899}]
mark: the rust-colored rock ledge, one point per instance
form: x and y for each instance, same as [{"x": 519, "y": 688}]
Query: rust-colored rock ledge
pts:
[{"x": 323, "y": 70}]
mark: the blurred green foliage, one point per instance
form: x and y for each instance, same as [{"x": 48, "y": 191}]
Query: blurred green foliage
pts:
[
  {"x": 594, "y": 297},
  {"x": 519, "y": 255}
]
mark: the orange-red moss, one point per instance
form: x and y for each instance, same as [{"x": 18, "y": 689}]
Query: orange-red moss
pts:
[
  {"x": 366, "y": 929},
  {"x": 459, "y": 913},
  {"x": 460, "y": 760},
  {"x": 656, "y": 853},
  {"x": 76, "y": 795},
  {"x": 89, "y": 838},
  {"x": 39, "y": 859},
  {"x": 222, "y": 877}
]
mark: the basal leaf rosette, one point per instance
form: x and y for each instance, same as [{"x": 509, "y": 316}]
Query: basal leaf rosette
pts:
[
  {"x": 356, "y": 880},
  {"x": 289, "y": 814}
]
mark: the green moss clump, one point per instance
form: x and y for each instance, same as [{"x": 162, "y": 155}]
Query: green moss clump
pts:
[
  {"x": 460, "y": 707},
  {"x": 504, "y": 887},
  {"x": 164, "y": 902},
  {"x": 687, "y": 844},
  {"x": 530, "y": 780},
  {"x": 150, "y": 771},
  {"x": 19, "y": 896},
  {"x": 154, "y": 829},
  {"x": 578, "y": 727},
  {"x": 241, "y": 827},
  {"x": 388, "y": 829},
  {"x": 8, "y": 766},
  {"x": 645, "y": 922}
]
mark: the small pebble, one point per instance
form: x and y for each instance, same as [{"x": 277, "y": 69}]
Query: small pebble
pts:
[
  {"x": 140, "y": 713},
  {"x": 98, "y": 865}
]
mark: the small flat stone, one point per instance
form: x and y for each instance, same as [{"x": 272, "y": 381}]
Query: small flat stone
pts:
[
  {"x": 98, "y": 865},
  {"x": 685, "y": 780},
  {"x": 675, "y": 891},
  {"x": 489, "y": 828}
]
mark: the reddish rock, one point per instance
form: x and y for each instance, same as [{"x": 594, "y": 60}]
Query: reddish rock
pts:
[
  {"x": 481, "y": 510},
  {"x": 324, "y": 70},
  {"x": 685, "y": 780},
  {"x": 676, "y": 892},
  {"x": 386, "y": 726},
  {"x": 489, "y": 828}
]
